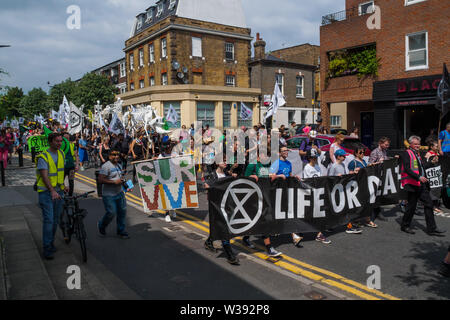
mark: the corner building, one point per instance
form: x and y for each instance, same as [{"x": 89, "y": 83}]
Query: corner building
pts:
[
  {"x": 193, "y": 55},
  {"x": 384, "y": 80}
]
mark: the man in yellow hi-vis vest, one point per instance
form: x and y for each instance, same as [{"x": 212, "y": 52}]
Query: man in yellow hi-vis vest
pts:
[{"x": 50, "y": 187}]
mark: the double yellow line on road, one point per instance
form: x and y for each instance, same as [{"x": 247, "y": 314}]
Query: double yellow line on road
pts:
[{"x": 287, "y": 263}]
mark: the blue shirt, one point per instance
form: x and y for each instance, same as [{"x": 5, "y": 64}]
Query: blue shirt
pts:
[
  {"x": 356, "y": 164},
  {"x": 444, "y": 136},
  {"x": 281, "y": 167}
]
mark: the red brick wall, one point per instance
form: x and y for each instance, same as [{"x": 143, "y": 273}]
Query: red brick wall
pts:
[{"x": 397, "y": 21}]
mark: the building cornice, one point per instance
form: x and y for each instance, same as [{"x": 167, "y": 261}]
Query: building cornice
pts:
[
  {"x": 286, "y": 64},
  {"x": 174, "y": 26}
]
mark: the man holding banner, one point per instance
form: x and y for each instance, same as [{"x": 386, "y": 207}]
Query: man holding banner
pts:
[{"x": 416, "y": 184}]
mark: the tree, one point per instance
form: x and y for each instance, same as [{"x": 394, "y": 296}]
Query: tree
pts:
[
  {"x": 10, "y": 102},
  {"x": 58, "y": 91},
  {"x": 93, "y": 87},
  {"x": 34, "y": 103}
]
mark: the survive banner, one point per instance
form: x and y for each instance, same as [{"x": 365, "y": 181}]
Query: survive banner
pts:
[
  {"x": 168, "y": 183},
  {"x": 246, "y": 207}
]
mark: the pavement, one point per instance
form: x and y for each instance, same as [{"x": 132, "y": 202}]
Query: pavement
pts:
[{"x": 167, "y": 261}]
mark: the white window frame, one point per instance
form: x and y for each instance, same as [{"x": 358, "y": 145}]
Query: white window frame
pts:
[
  {"x": 139, "y": 23},
  {"x": 411, "y": 2},
  {"x": 123, "y": 70},
  {"x": 360, "y": 6},
  {"x": 408, "y": 67},
  {"x": 141, "y": 58},
  {"x": 172, "y": 4},
  {"x": 132, "y": 62},
  {"x": 230, "y": 80},
  {"x": 123, "y": 89},
  {"x": 338, "y": 123},
  {"x": 152, "y": 81},
  {"x": 197, "y": 50},
  {"x": 281, "y": 85},
  {"x": 151, "y": 52},
  {"x": 132, "y": 86},
  {"x": 149, "y": 15},
  {"x": 141, "y": 84},
  {"x": 227, "y": 46},
  {"x": 164, "y": 48},
  {"x": 160, "y": 9},
  {"x": 302, "y": 95},
  {"x": 164, "y": 80}
]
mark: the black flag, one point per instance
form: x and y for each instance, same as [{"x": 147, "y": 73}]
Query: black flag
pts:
[{"x": 443, "y": 100}]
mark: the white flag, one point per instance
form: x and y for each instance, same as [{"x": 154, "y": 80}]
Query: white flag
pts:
[
  {"x": 64, "y": 112},
  {"x": 21, "y": 120},
  {"x": 277, "y": 101},
  {"x": 116, "y": 125},
  {"x": 246, "y": 113},
  {"x": 172, "y": 115},
  {"x": 15, "y": 124},
  {"x": 55, "y": 115},
  {"x": 102, "y": 123},
  {"x": 75, "y": 122},
  {"x": 40, "y": 119}
]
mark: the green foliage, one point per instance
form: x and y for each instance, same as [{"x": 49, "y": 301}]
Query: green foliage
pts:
[
  {"x": 93, "y": 87},
  {"x": 362, "y": 62},
  {"x": 34, "y": 103},
  {"x": 10, "y": 102},
  {"x": 58, "y": 91}
]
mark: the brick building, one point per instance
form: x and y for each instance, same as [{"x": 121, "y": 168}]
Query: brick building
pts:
[
  {"x": 384, "y": 80},
  {"x": 193, "y": 55},
  {"x": 117, "y": 74},
  {"x": 294, "y": 69}
]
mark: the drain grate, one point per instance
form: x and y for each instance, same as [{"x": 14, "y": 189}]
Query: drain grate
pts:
[
  {"x": 314, "y": 295},
  {"x": 193, "y": 236}
]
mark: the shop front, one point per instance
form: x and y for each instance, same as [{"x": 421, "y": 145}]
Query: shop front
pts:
[{"x": 405, "y": 107}]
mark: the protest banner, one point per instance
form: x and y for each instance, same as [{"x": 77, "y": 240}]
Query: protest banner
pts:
[
  {"x": 167, "y": 183},
  {"x": 246, "y": 207}
]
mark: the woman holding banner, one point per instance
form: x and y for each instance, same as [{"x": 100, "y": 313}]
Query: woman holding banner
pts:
[{"x": 432, "y": 158}]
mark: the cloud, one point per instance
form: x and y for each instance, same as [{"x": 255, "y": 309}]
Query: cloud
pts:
[{"x": 43, "y": 49}]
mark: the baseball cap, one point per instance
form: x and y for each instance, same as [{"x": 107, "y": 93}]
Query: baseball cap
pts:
[
  {"x": 313, "y": 133},
  {"x": 340, "y": 152}
]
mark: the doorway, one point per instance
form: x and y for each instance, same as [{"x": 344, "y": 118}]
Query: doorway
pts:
[
  {"x": 420, "y": 121},
  {"x": 367, "y": 129}
]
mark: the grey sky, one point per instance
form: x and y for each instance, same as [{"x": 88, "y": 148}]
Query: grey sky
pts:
[{"x": 44, "y": 49}]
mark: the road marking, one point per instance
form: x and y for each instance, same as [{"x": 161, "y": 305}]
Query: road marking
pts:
[{"x": 294, "y": 266}]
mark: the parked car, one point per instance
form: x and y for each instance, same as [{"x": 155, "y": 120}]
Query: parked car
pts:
[
  {"x": 325, "y": 142},
  {"x": 339, "y": 130}
]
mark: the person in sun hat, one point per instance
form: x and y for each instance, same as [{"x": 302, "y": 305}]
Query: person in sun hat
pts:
[{"x": 309, "y": 143}]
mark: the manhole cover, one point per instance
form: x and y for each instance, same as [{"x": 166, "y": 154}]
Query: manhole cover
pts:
[
  {"x": 314, "y": 295},
  {"x": 193, "y": 236}
]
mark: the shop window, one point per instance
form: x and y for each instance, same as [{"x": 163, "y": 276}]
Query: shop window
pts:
[
  {"x": 176, "y": 106},
  {"x": 226, "y": 114},
  {"x": 417, "y": 51},
  {"x": 205, "y": 113},
  {"x": 336, "y": 121},
  {"x": 245, "y": 123}
]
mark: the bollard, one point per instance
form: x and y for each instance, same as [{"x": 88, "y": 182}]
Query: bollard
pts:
[
  {"x": 20, "y": 151},
  {"x": 99, "y": 185},
  {"x": 2, "y": 170}
]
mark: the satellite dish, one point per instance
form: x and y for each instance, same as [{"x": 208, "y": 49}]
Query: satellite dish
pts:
[
  {"x": 185, "y": 70},
  {"x": 180, "y": 75},
  {"x": 175, "y": 65}
]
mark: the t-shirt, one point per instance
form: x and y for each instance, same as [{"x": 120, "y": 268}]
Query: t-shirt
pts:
[
  {"x": 337, "y": 169},
  {"x": 260, "y": 170},
  {"x": 444, "y": 136},
  {"x": 111, "y": 172},
  {"x": 281, "y": 167},
  {"x": 311, "y": 172},
  {"x": 356, "y": 164},
  {"x": 43, "y": 165}
]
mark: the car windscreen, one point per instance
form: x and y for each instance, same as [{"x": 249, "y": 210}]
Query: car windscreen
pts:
[{"x": 295, "y": 143}]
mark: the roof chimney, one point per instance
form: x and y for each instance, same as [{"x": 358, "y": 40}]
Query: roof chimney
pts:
[{"x": 260, "y": 48}]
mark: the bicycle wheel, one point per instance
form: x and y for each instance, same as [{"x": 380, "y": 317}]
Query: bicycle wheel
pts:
[{"x": 81, "y": 235}]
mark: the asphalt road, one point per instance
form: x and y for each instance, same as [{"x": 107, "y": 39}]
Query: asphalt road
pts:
[{"x": 408, "y": 264}]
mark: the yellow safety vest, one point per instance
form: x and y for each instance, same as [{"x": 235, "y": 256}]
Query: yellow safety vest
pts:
[
  {"x": 55, "y": 172},
  {"x": 72, "y": 150}
]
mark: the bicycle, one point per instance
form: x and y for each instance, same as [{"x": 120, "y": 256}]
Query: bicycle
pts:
[
  {"x": 71, "y": 221},
  {"x": 94, "y": 159}
]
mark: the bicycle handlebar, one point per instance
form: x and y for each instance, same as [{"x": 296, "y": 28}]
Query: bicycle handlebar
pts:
[{"x": 84, "y": 195}]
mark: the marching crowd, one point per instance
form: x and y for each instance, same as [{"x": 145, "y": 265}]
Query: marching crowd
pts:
[{"x": 114, "y": 152}]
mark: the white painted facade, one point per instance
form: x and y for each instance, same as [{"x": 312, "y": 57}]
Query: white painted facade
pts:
[
  {"x": 227, "y": 12},
  {"x": 300, "y": 116}
]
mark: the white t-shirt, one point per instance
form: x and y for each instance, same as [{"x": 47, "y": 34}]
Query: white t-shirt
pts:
[
  {"x": 311, "y": 172},
  {"x": 220, "y": 175}
]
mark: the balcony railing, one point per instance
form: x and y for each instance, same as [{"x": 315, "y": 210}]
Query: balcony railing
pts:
[{"x": 343, "y": 15}]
